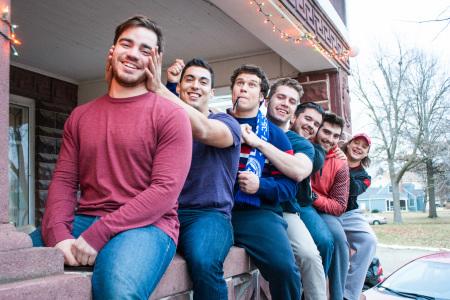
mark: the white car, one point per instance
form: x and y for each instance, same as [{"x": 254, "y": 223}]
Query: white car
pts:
[{"x": 376, "y": 219}]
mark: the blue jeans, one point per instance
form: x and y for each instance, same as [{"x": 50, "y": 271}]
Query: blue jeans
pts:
[
  {"x": 205, "y": 239},
  {"x": 340, "y": 262},
  {"x": 130, "y": 265},
  {"x": 263, "y": 235},
  {"x": 320, "y": 234}
]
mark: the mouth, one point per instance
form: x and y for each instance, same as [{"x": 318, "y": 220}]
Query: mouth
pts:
[
  {"x": 129, "y": 65},
  {"x": 282, "y": 111},
  {"x": 308, "y": 130},
  {"x": 193, "y": 95}
]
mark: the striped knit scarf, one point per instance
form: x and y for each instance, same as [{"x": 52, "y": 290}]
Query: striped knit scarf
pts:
[{"x": 255, "y": 162}]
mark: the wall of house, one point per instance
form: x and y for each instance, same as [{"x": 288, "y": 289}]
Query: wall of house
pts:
[
  {"x": 372, "y": 204},
  {"x": 54, "y": 100}
]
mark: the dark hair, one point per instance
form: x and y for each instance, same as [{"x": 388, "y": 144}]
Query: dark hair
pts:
[
  {"x": 365, "y": 162},
  {"x": 333, "y": 119},
  {"x": 255, "y": 70},
  {"x": 289, "y": 82},
  {"x": 141, "y": 21},
  {"x": 303, "y": 106},
  {"x": 198, "y": 62}
]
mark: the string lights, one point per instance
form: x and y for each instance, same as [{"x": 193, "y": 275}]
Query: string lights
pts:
[
  {"x": 11, "y": 35},
  {"x": 307, "y": 38}
]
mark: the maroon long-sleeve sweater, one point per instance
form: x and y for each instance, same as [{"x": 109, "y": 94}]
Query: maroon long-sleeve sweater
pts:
[{"x": 130, "y": 158}]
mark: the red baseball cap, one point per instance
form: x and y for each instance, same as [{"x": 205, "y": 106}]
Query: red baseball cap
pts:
[{"x": 363, "y": 136}]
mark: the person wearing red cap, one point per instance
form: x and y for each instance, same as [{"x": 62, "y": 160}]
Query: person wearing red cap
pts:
[{"x": 360, "y": 236}]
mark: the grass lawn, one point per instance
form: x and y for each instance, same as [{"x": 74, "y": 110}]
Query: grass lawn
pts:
[{"x": 417, "y": 230}]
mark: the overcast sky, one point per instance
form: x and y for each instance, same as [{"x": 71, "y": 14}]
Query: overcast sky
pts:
[{"x": 380, "y": 23}]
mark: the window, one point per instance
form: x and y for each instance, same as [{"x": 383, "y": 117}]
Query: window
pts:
[{"x": 21, "y": 161}]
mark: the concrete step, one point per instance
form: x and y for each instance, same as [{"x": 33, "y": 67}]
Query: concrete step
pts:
[
  {"x": 73, "y": 287},
  {"x": 22, "y": 264}
]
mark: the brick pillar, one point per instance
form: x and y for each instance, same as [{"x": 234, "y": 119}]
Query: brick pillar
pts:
[
  {"x": 4, "y": 100},
  {"x": 330, "y": 89},
  {"x": 26, "y": 272}
]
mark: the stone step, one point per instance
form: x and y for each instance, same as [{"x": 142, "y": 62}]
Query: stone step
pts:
[
  {"x": 22, "y": 264},
  {"x": 73, "y": 287}
]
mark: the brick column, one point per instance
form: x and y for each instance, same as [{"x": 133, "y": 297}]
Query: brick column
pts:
[
  {"x": 4, "y": 100},
  {"x": 26, "y": 272}
]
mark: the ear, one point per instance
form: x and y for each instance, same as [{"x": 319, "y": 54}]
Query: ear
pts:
[
  {"x": 292, "y": 121},
  {"x": 178, "y": 88},
  {"x": 266, "y": 102},
  {"x": 212, "y": 92}
]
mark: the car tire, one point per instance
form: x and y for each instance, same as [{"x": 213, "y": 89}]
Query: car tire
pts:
[{"x": 376, "y": 222}]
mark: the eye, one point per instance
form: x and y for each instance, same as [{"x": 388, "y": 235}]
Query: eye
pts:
[
  {"x": 252, "y": 84},
  {"x": 204, "y": 82}
]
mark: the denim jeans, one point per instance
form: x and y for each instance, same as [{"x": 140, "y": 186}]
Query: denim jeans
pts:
[
  {"x": 340, "y": 262},
  {"x": 206, "y": 236},
  {"x": 130, "y": 265},
  {"x": 320, "y": 234},
  {"x": 263, "y": 235}
]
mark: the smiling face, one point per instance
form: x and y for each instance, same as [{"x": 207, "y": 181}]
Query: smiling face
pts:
[
  {"x": 195, "y": 87},
  {"x": 281, "y": 106},
  {"x": 328, "y": 135},
  {"x": 307, "y": 123},
  {"x": 247, "y": 87},
  {"x": 357, "y": 150},
  {"x": 131, "y": 56}
]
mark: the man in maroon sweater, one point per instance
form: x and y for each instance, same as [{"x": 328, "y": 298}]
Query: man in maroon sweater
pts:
[{"x": 129, "y": 153}]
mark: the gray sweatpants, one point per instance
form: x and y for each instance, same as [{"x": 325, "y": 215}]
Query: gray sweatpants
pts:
[
  {"x": 362, "y": 239},
  {"x": 307, "y": 257}
]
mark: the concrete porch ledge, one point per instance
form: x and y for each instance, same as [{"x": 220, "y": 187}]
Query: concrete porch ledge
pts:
[{"x": 241, "y": 275}]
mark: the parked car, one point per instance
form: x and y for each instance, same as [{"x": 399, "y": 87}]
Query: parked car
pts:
[
  {"x": 374, "y": 274},
  {"x": 376, "y": 219},
  {"x": 425, "y": 277}
]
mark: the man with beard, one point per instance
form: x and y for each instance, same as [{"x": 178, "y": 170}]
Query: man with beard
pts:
[
  {"x": 257, "y": 214},
  {"x": 129, "y": 153},
  {"x": 331, "y": 185},
  {"x": 284, "y": 97}
]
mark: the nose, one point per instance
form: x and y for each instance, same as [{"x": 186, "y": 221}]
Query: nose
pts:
[
  {"x": 195, "y": 84},
  {"x": 132, "y": 53}
]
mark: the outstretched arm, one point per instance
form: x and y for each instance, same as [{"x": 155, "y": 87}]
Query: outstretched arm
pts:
[{"x": 297, "y": 167}]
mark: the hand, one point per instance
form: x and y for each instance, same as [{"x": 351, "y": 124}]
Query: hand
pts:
[
  {"x": 340, "y": 154},
  {"x": 108, "y": 67},
  {"x": 174, "y": 71},
  {"x": 65, "y": 246},
  {"x": 249, "y": 137},
  {"x": 248, "y": 182},
  {"x": 153, "y": 71},
  {"x": 83, "y": 252}
]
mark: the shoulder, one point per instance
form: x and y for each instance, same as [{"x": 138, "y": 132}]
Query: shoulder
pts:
[
  {"x": 227, "y": 119},
  {"x": 301, "y": 145},
  {"x": 278, "y": 138}
]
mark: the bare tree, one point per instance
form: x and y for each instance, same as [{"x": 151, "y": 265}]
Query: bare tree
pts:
[
  {"x": 428, "y": 89},
  {"x": 384, "y": 95}
]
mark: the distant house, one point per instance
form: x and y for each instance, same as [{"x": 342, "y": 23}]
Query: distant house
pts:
[{"x": 380, "y": 198}]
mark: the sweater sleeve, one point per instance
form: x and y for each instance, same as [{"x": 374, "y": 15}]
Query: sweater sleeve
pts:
[
  {"x": 276, "y": 189},
  {"x": 170, "y": 167},
  {"x": 62, "y": 199},
  {"x": 359, "y": 183},
  {"x": 336, "y": 202}
]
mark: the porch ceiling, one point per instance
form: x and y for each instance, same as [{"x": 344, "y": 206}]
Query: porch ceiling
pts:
[{"x": 70, "y": 39}]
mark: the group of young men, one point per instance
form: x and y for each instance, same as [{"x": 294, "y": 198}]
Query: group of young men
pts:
[{"x": 159, "y": 171}]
